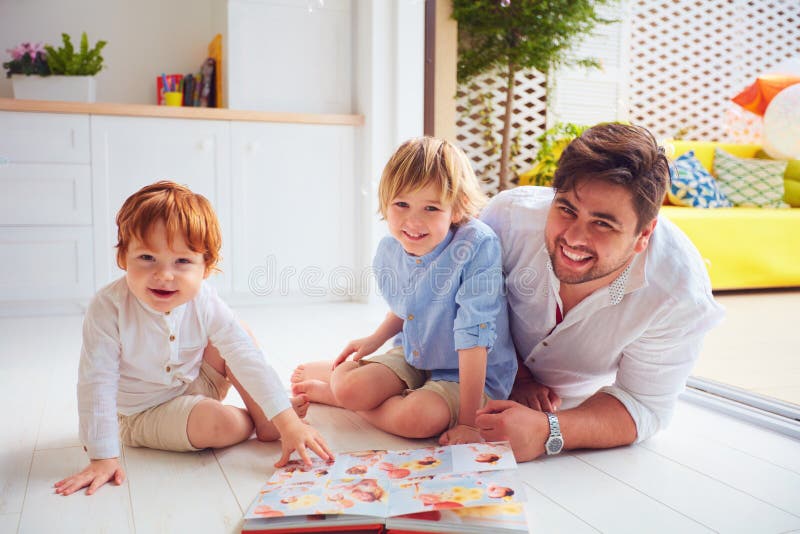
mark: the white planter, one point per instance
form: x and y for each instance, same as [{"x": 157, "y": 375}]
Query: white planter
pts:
[{"x": 63, "y": 88}]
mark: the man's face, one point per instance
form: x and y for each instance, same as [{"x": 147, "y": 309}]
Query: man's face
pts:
[{"x": 591, "y": 233}]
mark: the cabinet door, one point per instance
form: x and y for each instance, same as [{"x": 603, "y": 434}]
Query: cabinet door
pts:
[
  {"x": 294, "y": 221},
  {"x": 43, "y": 138},
  {"x": 129, "y": 153},
  {"x": 46, "y": 263}
]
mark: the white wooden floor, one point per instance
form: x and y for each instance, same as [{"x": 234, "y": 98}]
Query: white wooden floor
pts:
[{"x": 706, "y": 473}]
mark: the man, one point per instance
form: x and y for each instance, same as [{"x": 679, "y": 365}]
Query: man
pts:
[{"x": 608, "y": 304}]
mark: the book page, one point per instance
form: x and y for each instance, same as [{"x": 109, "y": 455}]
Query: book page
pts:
[{"x": 380, "y": 483}]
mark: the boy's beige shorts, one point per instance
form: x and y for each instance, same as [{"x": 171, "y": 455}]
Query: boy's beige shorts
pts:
[
  {"x": 421, "y": 379},
  {"x": 164, "y": 426}
]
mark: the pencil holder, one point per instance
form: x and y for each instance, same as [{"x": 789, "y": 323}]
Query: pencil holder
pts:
[{"x": 173, "y": 98}]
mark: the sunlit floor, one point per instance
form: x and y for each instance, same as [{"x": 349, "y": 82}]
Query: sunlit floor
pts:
[
  {"x": 757, "y": 347},
  {"x": 706, "y": 473}
]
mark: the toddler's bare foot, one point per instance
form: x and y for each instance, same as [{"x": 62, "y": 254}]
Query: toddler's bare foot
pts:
[
  {"x": 300, "y": 404},
  {"x": 320, "y": 370},
  {"x": 315, "y": 391}
]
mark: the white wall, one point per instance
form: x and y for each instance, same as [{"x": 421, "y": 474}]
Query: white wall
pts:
[{"x": 145, "y": 38}]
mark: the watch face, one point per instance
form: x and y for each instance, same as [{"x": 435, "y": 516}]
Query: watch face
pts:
[{"x": 554, "y": 445}]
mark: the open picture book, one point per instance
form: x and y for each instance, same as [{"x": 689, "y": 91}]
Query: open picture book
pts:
[{"x": 456, "y": 488}]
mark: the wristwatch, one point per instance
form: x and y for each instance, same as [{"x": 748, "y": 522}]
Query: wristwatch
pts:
[{"x": 555, "y": 442}]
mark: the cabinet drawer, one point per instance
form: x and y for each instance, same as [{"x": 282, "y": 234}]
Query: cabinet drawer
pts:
[
  {"x": 43, "y": 138},
  {"x": 45, "y": 194},
  {"x": 46, "y": 263}
]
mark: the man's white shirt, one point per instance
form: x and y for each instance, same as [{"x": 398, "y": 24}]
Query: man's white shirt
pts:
[{"x": 636, "y": 339}]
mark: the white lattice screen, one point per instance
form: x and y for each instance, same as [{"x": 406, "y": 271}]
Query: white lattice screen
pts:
[
  {"x": 481, "y": 108},
  {"x": 690, "y": 57},
  {"x": 680, "y": 62}
]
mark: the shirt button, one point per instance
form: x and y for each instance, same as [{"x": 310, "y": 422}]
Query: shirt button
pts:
[
  {"x": 171, "y": 337},
  {"x": 544, "y": 343},
  {"x": 166, "y": 313},
  {"x": 483, "y": 325},
  {"x": 419, "y": 261},
  {"x": 415, "y": 353},
  {"x": 411, "y": 317},
  {"x": 169, "y": 369}
]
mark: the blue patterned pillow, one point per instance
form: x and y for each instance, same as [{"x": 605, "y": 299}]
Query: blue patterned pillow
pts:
[{"x": 692, "y": 186}]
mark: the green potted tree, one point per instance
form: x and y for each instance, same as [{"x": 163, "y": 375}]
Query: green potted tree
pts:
[
  {"x": 61, "y": 73},
  {"x": 509, "y": 36}
]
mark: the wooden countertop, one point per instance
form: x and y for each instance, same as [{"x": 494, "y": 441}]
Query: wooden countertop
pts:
[{"x": 141, "y": 110}]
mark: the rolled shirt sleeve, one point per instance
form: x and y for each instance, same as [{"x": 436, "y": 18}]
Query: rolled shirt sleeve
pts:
[
  {"x": 653, "y": 370},
  {"x": 479, "y": 298}
]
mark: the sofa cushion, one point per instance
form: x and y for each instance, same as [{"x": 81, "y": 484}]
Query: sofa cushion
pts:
[
  {"x": 750, "y": 182},
  {"x": 704, "y": 150},
  {"x": 692, "y": 186}
]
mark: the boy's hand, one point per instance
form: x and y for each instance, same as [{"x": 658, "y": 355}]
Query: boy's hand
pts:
[
  {"x": 460, "y": 434},
  {"x": 528, "y": 392},
  {"x": 97, "y": 473},
  {"x": 299, "y": 436},
  {"x": 362, "y": 347}
]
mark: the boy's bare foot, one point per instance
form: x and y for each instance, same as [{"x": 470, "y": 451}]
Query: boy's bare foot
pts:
[
  {"x": 300, "y": 404},
  {"x": 315, "y": 391},
  {"x": 320, "y": 370}
]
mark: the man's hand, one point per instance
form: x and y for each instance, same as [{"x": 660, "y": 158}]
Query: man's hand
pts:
[
  {"x": 460, "y": 434},
  {"x": 526, "y": 429},
  {"x": 299, "y": 436},
  {"x": 361, "y": 347},
  {"x": 94, "y": 475},
  {"x": 532, "y": 394}
]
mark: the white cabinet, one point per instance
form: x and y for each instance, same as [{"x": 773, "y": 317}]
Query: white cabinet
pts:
[
  {"x": 294, "y": 231},
  {"x": 46, "y": 264},
  {"x": 131, "y": 152},
  {"x": 45, "y": 207},
  {"x": 285, "y": 194}
]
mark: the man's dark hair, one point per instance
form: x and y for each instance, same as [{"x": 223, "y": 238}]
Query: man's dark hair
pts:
[{"x": 620, "y": 154}]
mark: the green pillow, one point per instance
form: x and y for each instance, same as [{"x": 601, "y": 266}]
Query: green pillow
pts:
[
  {"x": 750, "y": 182},
  {"x": 792, "y": 193}
]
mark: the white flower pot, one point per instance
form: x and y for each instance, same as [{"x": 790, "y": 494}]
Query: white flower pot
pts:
[{"x": 63, "y": 88}]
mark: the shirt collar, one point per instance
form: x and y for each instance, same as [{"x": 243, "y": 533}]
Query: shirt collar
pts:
[
  {"x": 629, "y": 280},
  {"x": 148, "y": 309},
  {"x": 433, "y": 254}
]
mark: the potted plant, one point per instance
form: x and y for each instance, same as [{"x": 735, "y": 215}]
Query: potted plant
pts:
[
  {"x": 66, "y": 75},
  {"x": 551, "y": 144}
]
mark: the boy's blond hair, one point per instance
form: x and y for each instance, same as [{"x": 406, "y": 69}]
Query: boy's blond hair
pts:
[
  {"x": 183, "y": 213},
  {"x": 425, "y": 161}
]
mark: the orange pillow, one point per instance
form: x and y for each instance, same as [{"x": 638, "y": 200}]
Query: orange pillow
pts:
[{"x": 757, "y": 96}]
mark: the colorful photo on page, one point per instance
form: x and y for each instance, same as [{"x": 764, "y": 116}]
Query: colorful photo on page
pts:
[
  {"x": 359, "y": 464},
  {"x": 297, "y": 471},
  {"x": 416, "y": 462},
  {"x": 453, "y": 491},
  {"x": 492, "y": 456},
  {"x": 288, "y": 499},
  {"x": 358, "y": 496}
]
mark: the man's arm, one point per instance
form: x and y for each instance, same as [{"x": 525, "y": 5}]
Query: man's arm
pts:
[{"x": 599, "y": 422}]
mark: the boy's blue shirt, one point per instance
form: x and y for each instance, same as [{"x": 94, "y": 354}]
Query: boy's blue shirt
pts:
[{"x": 450, "y": 299}]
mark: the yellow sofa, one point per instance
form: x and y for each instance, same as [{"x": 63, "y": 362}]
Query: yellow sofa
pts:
[{"x": 743, "y": 248}]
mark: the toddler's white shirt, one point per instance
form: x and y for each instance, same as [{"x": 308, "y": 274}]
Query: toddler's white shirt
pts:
[
  {"x": 134, "y": 358},
  {"x": 636, "y": 339}
]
